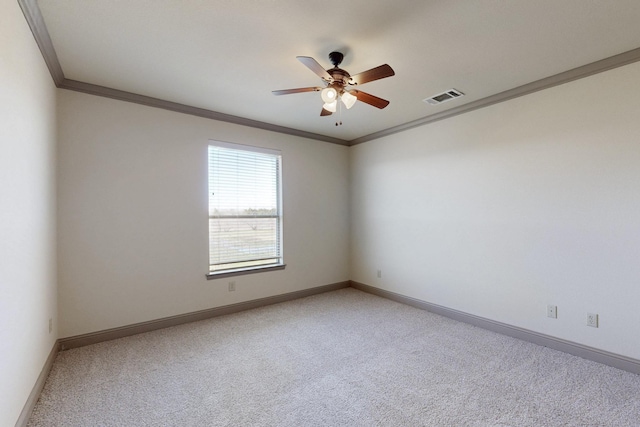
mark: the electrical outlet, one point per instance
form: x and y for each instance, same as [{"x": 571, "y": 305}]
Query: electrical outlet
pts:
[
  {"x": 50, "y": 325},
  {"x": 552, "y": 311},
  {"x": 232, "y": 286},
  {"x": 592, "y": 320},
  {"x": 379, "y": 274}
]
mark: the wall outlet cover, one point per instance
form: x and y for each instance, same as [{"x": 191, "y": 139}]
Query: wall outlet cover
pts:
[{"x": 592, "y": 320}]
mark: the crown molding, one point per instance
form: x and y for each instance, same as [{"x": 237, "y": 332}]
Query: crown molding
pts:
[
  {"x": 38, "y": 27},
  {"x": 538, "y": 85},
  {"x": 187, "y": 109},
  {"x": 36, "y": 23}
]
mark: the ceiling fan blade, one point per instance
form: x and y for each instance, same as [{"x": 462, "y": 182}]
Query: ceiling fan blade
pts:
[
  {"x": 373, "y": 74},
  {"x": 298, "y": 90},
  {"x": 369, "y": 99},
  {"x": 313, "y": 65},
  {"x": 325, "y": 112}
]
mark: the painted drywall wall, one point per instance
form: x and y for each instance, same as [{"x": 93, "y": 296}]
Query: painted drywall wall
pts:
[
  {"x": 27, "y": 212},
  {"x": 133, "y": 218},
  {"x": 507, "y": 209}
]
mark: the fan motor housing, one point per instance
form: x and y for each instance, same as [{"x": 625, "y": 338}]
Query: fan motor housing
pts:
[{"x": 339, "y": 76}]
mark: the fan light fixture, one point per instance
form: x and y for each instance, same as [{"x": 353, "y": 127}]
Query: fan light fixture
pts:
[
  {"x": 330, "y": 106},
  {"x": 329, "y": 94},
  {"x": 347, "y": 99}
]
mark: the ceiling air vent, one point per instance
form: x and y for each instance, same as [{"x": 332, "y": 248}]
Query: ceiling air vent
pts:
[{"x": 444, "y": 97}]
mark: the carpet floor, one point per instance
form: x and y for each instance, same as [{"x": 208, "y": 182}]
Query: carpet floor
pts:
[{"x": 343, "y": 358}]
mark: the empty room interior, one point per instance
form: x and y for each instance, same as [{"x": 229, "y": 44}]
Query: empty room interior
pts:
[{"x": 453, "y": 237}]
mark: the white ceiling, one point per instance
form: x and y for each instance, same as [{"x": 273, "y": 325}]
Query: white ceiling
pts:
[{"x": 228, "y": 55}]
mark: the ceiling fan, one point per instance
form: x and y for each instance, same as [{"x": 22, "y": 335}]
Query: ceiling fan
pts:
[{"x": 337, "y": 83}]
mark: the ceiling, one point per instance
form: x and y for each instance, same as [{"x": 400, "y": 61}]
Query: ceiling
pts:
[{"x": 227, "y": 56}]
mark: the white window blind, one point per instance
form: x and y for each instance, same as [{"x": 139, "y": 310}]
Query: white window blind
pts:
[{"x": 245, "y": 220}]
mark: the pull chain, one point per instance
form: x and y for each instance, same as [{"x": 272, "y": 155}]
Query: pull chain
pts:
[{"x": 339, "y": 122}]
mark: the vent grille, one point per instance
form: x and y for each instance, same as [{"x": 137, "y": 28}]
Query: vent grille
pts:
[{"x": 444, "y": 97}]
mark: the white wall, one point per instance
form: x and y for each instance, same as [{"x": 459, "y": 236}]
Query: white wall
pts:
[
  {"x": 504, "y": 210},
  {"x": 27, "y": 212},
  {"x": 133, "y": 218}
]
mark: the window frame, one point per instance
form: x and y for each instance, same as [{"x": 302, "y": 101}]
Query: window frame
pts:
[{"x": 280, "y": 265}]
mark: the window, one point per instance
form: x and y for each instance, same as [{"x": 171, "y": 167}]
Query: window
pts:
[{"x": 245, "y": 209}]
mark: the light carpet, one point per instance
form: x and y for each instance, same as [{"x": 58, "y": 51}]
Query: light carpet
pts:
[{"x": 343, "y": 358}]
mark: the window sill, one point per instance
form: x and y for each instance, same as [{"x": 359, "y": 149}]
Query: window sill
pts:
[{"x": 243, "y": 271}]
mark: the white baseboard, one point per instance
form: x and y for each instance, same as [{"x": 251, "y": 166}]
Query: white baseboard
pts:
[
  {"x": 576, "y": 349},
  {"x": 152, "y": 325},
  {"x": 125, "y": 331},
  {"x": 589, "y": 353},
  {"x": 23, "y": 419}
]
